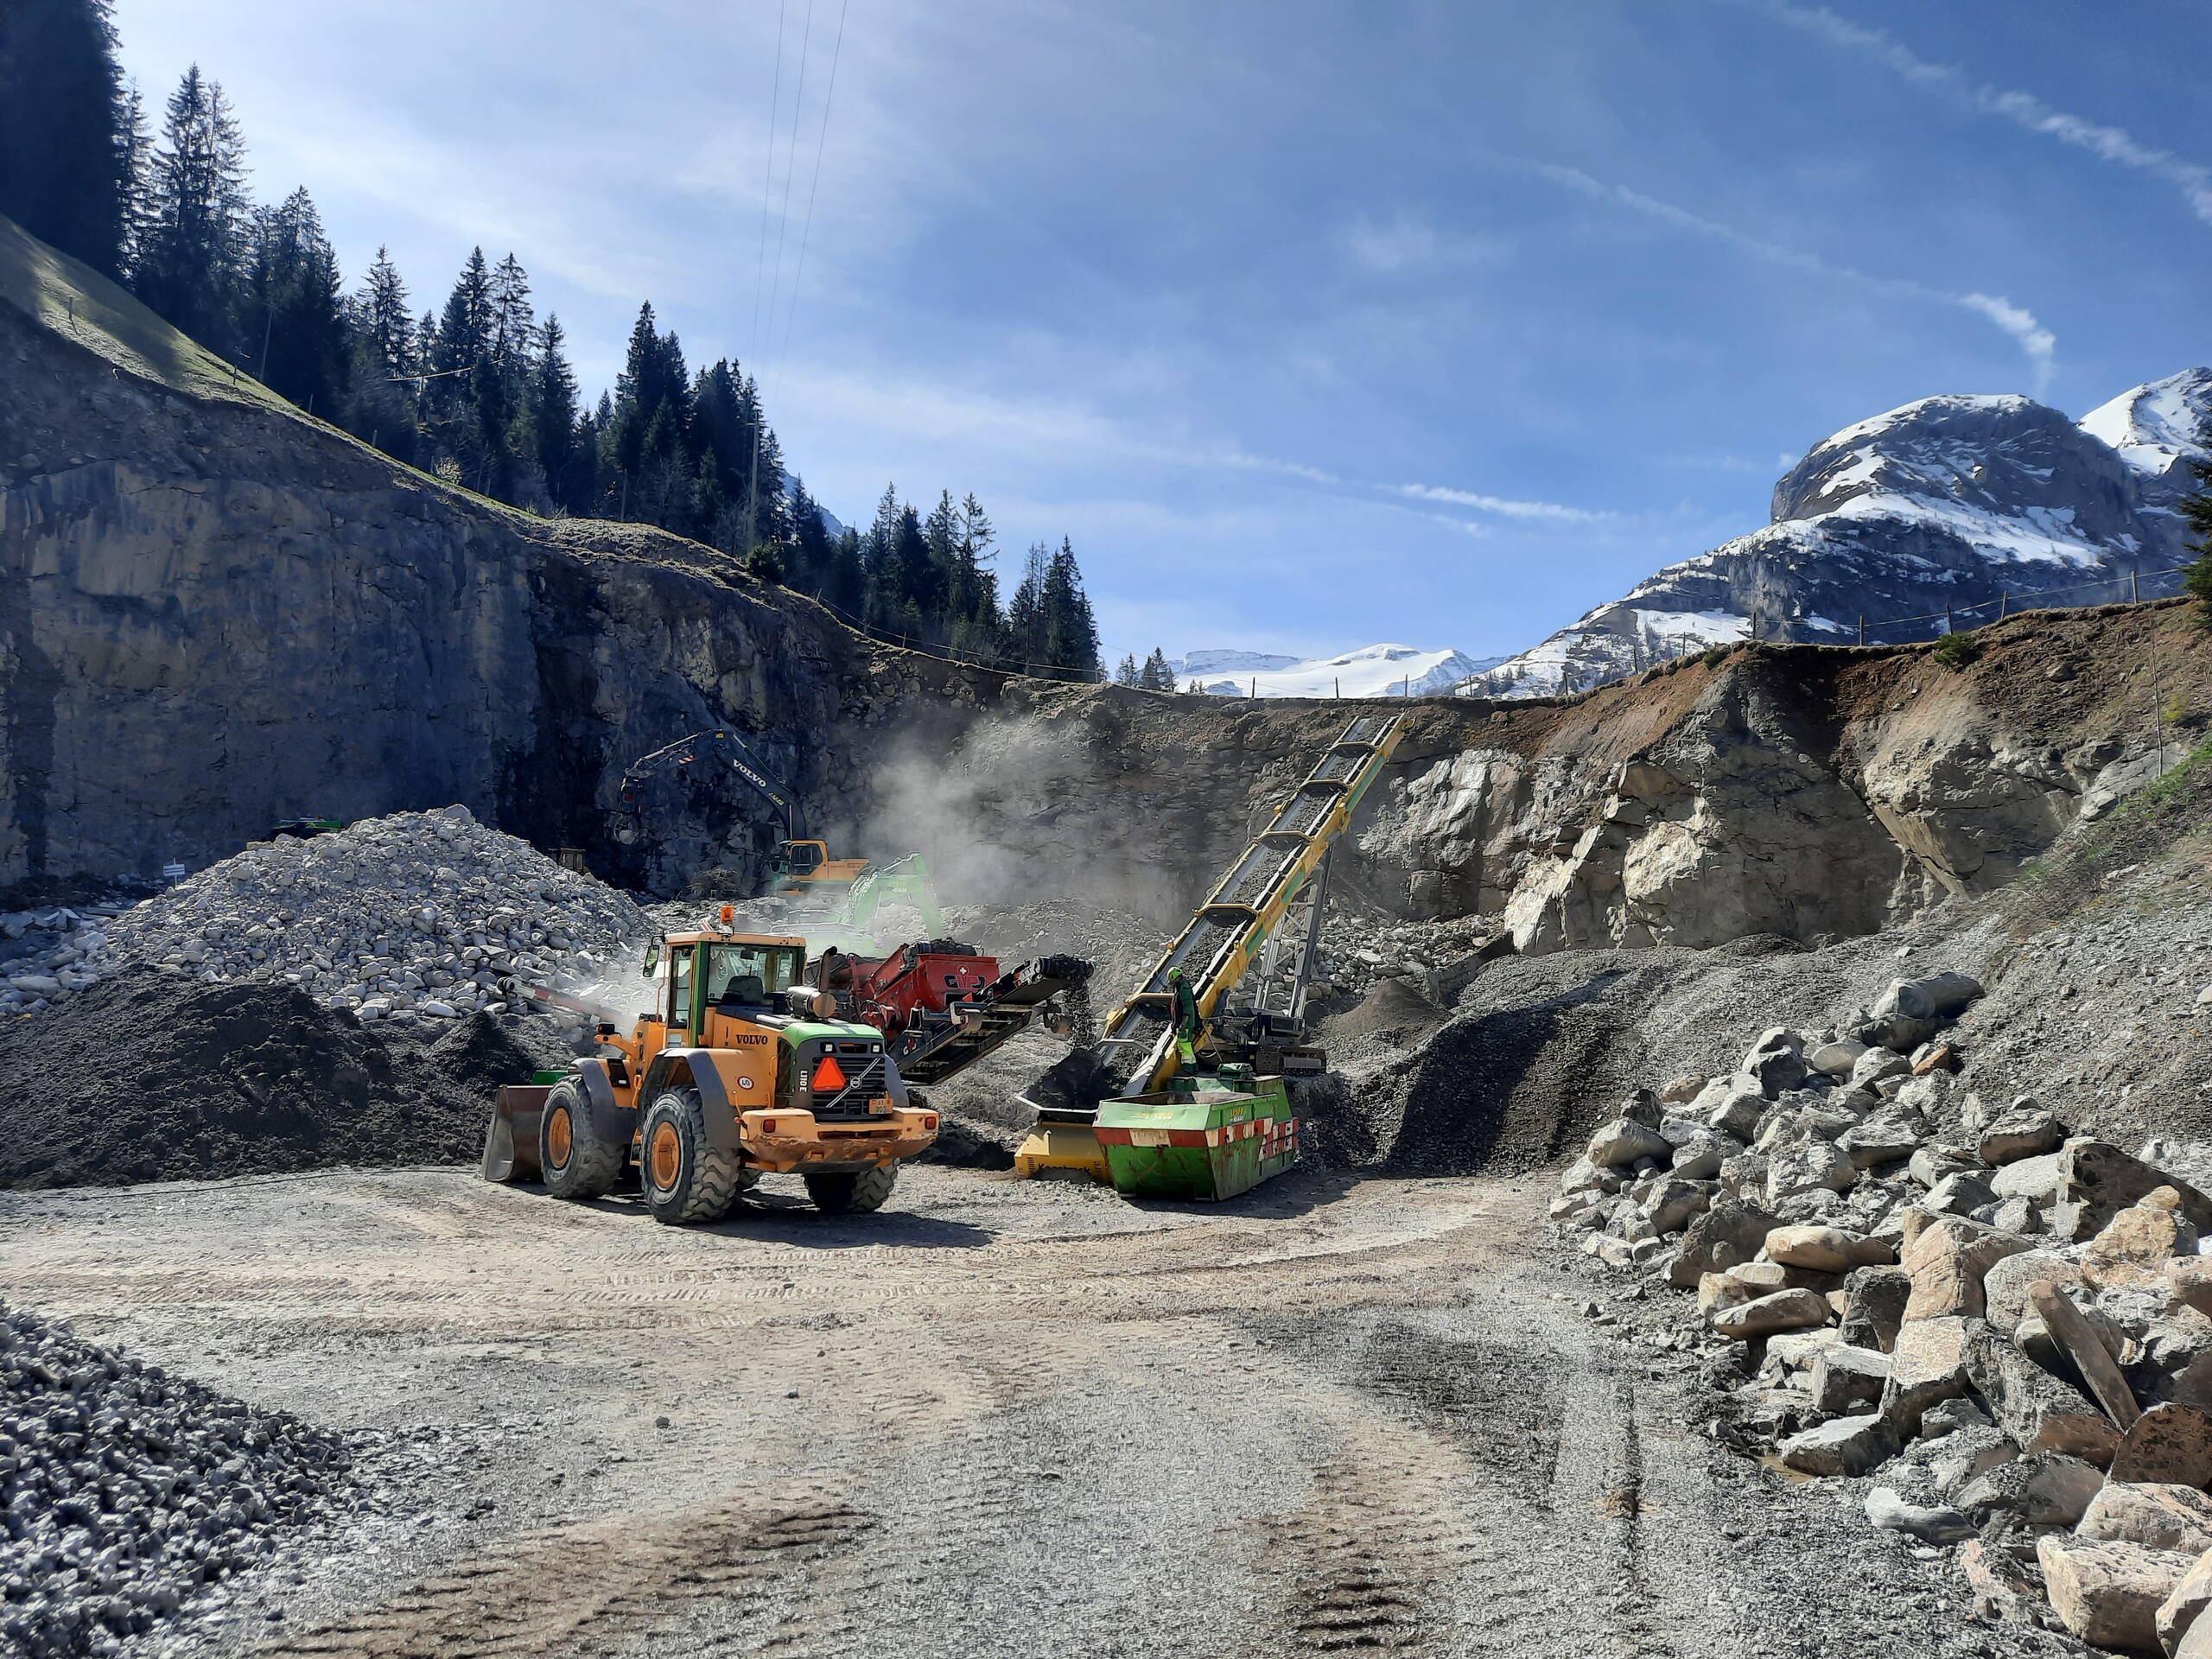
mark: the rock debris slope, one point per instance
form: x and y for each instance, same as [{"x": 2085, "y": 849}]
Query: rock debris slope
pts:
[
  {"x": 125, "y": 1490},
  {"x": 1947, "y": 502}
]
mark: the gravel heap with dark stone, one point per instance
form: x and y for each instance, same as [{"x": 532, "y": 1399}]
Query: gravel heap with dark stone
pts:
[
  {"x": 124, "y": 1490},
  {"x": 148, "y": 1076}
]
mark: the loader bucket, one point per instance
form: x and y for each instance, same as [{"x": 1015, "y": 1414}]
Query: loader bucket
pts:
[
  {"x": 510, "y": 1143},
  {"x": 1062, "y": 1151}
]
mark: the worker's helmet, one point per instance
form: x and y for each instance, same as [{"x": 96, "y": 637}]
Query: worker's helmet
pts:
[{"x": 1174, "y": 973}]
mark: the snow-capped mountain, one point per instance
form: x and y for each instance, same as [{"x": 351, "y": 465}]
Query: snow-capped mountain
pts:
[
  {"x": 1947, "y": 503},
  {"x": 1370, "y": 671}
]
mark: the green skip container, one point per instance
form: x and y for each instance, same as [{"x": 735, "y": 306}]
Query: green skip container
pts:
[{"x": 1213, "y": 1137}]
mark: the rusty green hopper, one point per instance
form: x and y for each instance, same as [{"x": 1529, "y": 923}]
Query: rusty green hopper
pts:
[{"x": 1212, "y": 1139}]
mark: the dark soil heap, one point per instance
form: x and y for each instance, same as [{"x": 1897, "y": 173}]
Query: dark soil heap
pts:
[{"x": 147, "y": 1076}]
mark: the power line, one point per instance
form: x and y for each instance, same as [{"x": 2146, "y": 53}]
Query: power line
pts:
[
  {"x": 791, "y": 166},
  {"x": 768, "y": 180},
  {"x": 814, "y": 183}
]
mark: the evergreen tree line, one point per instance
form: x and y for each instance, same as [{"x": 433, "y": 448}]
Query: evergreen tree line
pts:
[{"x": 480, "y": 389}]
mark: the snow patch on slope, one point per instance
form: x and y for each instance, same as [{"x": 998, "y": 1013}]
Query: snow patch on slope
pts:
[{"x": 1371, "y": 671}]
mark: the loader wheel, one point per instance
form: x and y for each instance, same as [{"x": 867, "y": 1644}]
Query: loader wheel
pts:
[
  {"x": 686, "y": 1178},
  {"x": 577, "y": 1164},
  {"x": 841, "y": 1195}
]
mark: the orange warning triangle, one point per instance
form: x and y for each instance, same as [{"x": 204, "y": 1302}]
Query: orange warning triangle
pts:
[{"x": 829, "y": 1077}]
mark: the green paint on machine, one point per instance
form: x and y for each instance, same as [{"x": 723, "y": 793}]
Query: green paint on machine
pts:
[{"x": 1208, "y": 1137}]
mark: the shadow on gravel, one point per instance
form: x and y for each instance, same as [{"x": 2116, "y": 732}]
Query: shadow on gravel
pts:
[
  {"x": 791, "y": 1220},
  {"x": 1299, "y": 1192}
]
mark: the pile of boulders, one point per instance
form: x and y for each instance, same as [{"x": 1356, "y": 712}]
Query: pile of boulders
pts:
[
  {"x": 1358, "y": 951},
  {"x": 412, "y": 919},
  {"x": 2007, "y": 1326},
  {"x": 124, "y": 1490}
]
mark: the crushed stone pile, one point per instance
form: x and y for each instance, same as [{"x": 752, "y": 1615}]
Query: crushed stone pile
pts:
[
  {"x": 236, "y": 1078},
  {"x": 1360, "y": 949},
  {"x": 411, "y": 919},
  {"x": 125, "y": 1490},
  {"x": 1998, "y": 1330}
]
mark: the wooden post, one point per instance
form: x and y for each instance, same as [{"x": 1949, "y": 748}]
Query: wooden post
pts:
[
  {"x": 1862, "y": 627},
  {"x": 2134, "y": 586},
  {"x": 1341, "y": 685},
  {"x": 2001, "y": 597},
  {"x": 1255, "y": 688},
  {"x": 1947, "y": 629}
]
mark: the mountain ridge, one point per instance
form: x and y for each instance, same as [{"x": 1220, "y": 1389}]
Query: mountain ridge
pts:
[{"x": 1949, "y": 510}]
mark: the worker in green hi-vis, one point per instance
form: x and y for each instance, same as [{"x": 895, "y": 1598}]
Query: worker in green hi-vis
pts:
[{"x": 1187, "y": 1020}]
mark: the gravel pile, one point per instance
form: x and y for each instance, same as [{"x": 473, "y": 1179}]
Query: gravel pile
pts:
[
  {"x": 1999, "y": 1329},
  {"x": 239, "y": 1078},
  {"x": 124, "y": 1491},
  {"x": 409, "y": 920},
  {"x": 1360, "y": 949}
]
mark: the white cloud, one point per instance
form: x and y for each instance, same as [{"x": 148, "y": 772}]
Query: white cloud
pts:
[
  {"x": 2036, "y": 342},
  {"x": 2024, "y": 109},
  {"x": 1499, "y": 505}
]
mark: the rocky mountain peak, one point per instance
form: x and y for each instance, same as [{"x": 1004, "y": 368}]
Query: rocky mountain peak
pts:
[{"x": 1953, "y": 507}]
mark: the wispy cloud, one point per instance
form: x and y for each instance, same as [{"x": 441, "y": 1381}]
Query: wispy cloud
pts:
[
  {"x": 1500, "y": 506},
  {"x": 2114, "y": 144},
  {"x": 2037, "y": 342}
]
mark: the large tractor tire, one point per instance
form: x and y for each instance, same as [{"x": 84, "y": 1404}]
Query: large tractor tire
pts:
[
  {"x": 576, "y": 1162},
  {"x": 852, "y": 1195},
  {"x": 687, "y": 1179}
]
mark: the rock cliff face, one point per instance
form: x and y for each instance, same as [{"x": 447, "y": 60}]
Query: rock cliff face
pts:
[
  {"x": 215, "y": 612},
  {"x": 1969, "y": 504}
]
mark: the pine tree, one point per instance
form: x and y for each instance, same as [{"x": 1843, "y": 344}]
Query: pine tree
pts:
[
  {"x": 291, "y": 290},
  {"x": 1155, "y": 675},
  {"x": 1028, "y": 636},
  {"x": 1070, "y": 630},
  {"x": 387, "y": 332},
  {"x": 188, "y": 271},
  {"x": 1128, "y": 673},
  {"x": 66, "y": 129},
  {"x": 564, "y": 453},
  {"x": 2196, "y": 576}
]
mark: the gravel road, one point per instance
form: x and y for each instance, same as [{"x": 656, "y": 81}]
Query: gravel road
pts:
[{"x": 1004, "y": 1419}]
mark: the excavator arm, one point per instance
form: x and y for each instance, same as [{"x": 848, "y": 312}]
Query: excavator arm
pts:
[{"x": 725, "y": 746}]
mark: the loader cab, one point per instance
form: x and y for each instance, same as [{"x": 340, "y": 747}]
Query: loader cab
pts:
[{"x": 736, "y": 976}]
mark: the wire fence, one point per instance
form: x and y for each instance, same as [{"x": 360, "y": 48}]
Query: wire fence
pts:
[{"x": 945, "y": 653}]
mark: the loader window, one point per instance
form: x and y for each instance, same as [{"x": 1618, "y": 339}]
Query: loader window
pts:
[
  {"x": 746, "y": 976},
  {"x": 679, "y": 984}
]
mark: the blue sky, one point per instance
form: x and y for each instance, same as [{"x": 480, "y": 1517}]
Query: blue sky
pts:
[{"x": 1313, "y": 324}]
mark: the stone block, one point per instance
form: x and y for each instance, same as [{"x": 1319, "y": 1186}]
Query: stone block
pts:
[
  {"x": 2137, "y": 1243},
  {"x": 2098, "y": 1172},
  {"x": 2107, "y": 1594},
  {"x": 2167, "y": 1445},
  {"x": 2041, "y": 1488},
  {"x": 1935, "y": 1161},
  {"x": 2182, "y": 1611},
  {"x": 1726, "y": 1236},
  {"x": 1835, "y": 1059},
  {"x": 1804, "y": 1167},
  {"x": 1786, "y": 1310},
  {"x": 1737, "y": 1110},
  {"x": 2156, "y": 1514},
  {"x": 1889, "y": 1511},
  {"x": 2040, "y": 1412},
  {"x": 1874, "y": 1301},
  {"x": 1847, "y": 1379},
  {"x": 1623, "y": 1141},
  {"x": 1947, "y": 1261},
  {"x": 1827, "y": 1250},
  {"x": 2034, "y": 1179},
  {"x": 1882, "y": 1139},
  {"x": 1842, "y": 1445},
  {"x": 2018, "y": 1135},
  {"x": 1927, "y": 1366}
]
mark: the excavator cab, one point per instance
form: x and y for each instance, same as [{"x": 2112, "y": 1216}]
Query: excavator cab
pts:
[{"x": 807, "y": 866}]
